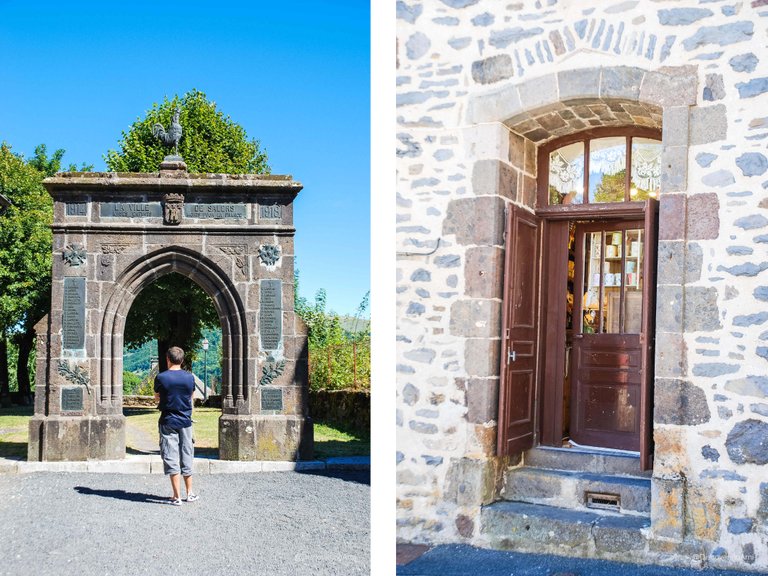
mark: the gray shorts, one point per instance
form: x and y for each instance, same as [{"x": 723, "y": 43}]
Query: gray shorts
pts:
[{"x": 177, "y": 449}]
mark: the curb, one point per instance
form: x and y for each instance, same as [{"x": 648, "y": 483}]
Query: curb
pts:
[{"x": 152, "y": 464}]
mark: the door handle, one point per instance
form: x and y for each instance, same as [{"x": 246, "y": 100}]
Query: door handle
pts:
[
  {"x": 511, "y": 356},
  {"x": 578, "y": 336}
]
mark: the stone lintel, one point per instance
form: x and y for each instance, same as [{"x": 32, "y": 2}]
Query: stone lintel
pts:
[{"x": 75, "y": 183}]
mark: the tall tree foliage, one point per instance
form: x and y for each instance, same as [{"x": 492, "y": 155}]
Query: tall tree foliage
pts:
[
  {"x": 173, "y": 310},
  {"x": 210, "y": 141},
  {"x": 25, "y": 256}
]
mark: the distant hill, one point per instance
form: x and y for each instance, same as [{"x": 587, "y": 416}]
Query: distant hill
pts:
[{"x": 139, "y": 361}]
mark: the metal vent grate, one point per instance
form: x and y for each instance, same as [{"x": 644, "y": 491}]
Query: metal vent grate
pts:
[{"x": 603, "y": 501}]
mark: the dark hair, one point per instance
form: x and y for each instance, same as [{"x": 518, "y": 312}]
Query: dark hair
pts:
[{"x": 175, "y": 355}]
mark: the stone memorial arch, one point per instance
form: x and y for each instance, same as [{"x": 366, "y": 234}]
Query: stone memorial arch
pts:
[{"x": 113, "y": 235}]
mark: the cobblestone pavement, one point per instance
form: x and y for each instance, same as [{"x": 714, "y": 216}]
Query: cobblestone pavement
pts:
[
  {"x": 297, "y": 523},
  {"x": 461, "y": 560}
]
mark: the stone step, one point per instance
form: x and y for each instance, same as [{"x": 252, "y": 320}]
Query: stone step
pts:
[
  {"x": 545, "y": 529},
  {"x": 570, "y": 489},
  {"x": 585, "y": 460}
]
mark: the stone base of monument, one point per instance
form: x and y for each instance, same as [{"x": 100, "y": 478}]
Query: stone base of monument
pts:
[
  {"x": 67, "y": 438},
  {"x": 255, "y": 437}
]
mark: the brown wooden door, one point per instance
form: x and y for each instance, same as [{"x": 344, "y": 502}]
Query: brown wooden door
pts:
[
  {"x": 519, "y": 333},
  {"x": 609, "y": 357}
]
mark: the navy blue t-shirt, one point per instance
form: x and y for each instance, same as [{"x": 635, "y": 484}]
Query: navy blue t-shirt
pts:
[{"x": 175, "y": 388}]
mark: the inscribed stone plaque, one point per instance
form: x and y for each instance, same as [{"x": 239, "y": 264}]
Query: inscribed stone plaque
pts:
[
  {"x": 271, "y": 314},
  {"x": 73, "y": 308},
  {"x": 214, "y": 211},
  {"x": 131, "y": 210},
  {"x": 71, "y": 399},
  {"x": 271, "y": 212},
  {"x": 271, "y": 399},
  {"x": 77, "y": 209}
]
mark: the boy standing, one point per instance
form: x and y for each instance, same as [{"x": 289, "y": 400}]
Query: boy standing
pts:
[{"x": 174, "y": 389}]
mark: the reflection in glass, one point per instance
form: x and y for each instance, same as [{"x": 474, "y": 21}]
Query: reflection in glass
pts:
[
  {"x": 646, "y": 169},
  {"x": 607, "y": 169},
  {"x": 612, "y": 301},
  {"x": 566, "y": 174},
  {"x": 592, "y": 279},
  {"x": 633, "y": 274},
  {"x": 612, "y": 278}
]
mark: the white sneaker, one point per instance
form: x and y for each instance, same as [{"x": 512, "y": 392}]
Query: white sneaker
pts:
[{"x": 191, "y": 497}]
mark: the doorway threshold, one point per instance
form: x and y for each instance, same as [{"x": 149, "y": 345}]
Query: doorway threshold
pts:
[
  {"x": 585, "y": 459},
  {"x": 568, "y": 444}
]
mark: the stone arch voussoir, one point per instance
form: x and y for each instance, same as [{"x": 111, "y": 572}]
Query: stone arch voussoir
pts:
[{"x": 212, "y": 279}]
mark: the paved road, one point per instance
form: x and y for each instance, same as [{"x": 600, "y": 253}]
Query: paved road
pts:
[
  {"x": 461, "y": 560},
  {"x": 276, "y": 523}
]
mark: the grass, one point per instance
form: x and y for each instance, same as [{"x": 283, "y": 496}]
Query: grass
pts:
[
  {"x": 14, "y": 428},
  {"x": 330, "y": 441}
]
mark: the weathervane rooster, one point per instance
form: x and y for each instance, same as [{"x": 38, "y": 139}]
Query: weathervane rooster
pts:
[{"x": 173, "y": 135}]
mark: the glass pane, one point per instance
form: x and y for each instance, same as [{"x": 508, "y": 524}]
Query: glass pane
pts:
[
  {"x": 566, "y": 174},
  {"x": 612, "y": 278},
  {"x": 607, "y": 169},
  {"x": 633, "y": 268},
  {"x": 646, "y": 169},
  {"x": 592, "y": 283}
]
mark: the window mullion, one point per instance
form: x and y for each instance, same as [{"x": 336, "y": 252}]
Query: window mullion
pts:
[{"x": 628, "y": 170}]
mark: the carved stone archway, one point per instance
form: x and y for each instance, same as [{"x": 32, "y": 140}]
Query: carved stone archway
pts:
[
  {"x": 505, "y": 127},
  {"x": 113, "y": 235}
]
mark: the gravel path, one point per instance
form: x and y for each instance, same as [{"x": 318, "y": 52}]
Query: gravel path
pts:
[{"x": 116, "y": 524}]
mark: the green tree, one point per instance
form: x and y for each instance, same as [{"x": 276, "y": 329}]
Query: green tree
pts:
[
  {"x": 172, "y": 310},
  {"x": 25, "y": 257},
  {"x": 339, "y": 358},
  {"x": 131, "y": 382},
  {"x": 210, "y": 141}
]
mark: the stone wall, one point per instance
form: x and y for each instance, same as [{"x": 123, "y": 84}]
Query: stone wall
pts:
[
  {"x": 348, "y": 409},
  {"x": 480, "y": 85}
]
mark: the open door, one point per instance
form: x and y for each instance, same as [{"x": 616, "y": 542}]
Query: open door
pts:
[
  {"x": 613, "y": 334},
  {"x": 519, "y": 333}
]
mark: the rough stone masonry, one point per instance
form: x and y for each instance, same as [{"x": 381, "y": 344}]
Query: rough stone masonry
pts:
[{"x": 480, "y": 85}]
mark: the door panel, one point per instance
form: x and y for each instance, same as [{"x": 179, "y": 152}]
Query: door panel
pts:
[
  {"x": 607, "y": 351},
  {"x": 519, "y": 327},
  {"x": 607, "y": 391}
]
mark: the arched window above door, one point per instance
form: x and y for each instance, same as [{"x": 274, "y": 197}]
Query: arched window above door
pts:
[{"x": 591, "y": 167}]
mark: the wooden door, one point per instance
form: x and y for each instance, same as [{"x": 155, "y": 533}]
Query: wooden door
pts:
[
  {"x": 519, "y": 333},
  {"x": 610, "y": 329}
]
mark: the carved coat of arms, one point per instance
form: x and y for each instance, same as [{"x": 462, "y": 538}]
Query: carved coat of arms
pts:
[{"x": 173, "y": 205}]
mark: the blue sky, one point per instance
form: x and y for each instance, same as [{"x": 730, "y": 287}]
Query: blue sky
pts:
[{"x": 295, "y": 75}]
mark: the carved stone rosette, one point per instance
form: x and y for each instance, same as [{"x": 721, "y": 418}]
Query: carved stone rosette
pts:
[
  {"x": 269, "y": 254},
  {"x": 173, "y": 208}
]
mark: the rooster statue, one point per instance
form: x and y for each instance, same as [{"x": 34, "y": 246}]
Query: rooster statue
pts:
[{"x": 173, "y": 135}]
